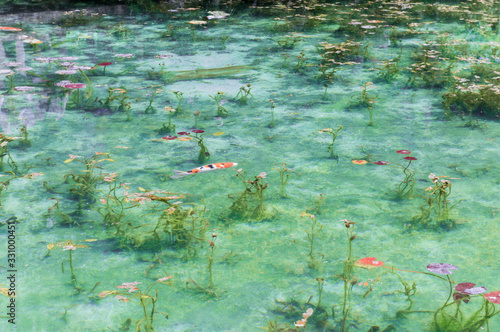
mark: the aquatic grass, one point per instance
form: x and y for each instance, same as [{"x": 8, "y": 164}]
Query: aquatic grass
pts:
[
  {"x": 170, "y": 127},
  {"x": 5, "y": 156},
  {"x": 4, "y": 183},
  {"x": 347, "y": 276},
  {"x": 146, "y": 300},
  {"x": 154, "y": 91},
  {"x": 221, "y": 111},
  {"x": 289, "y": 41},
  {"x": 272, "y": 124},
  {"x": 367, "y": 100},
  {"x": 437, "y": 203},
  {"x": 171, "y": 224},
  {"x": 390, "y": 69},
  {"x": 447, "y": 319},
  {"x": 406, "y": 186},
  {"x": 300, "y": 67},
  {"x": 84, "y": 186},
  {"x": 334, "y": 134},
  {"x": 69, "y": 246},
  {"x": 284, "y": 176},
  {"x": 203, "y": 154},
  {"x": 179, "y": 96},
  {"x": 315, "y": 228},
  {"x": 104, "y": 65},
  {"x": 243, "y": 95},
  {"x": 249, "y": 204},
  {"x": 115, "y": 205}
]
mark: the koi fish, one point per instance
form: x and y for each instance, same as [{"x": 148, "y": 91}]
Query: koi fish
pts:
[{"x": 206, "y": 168}]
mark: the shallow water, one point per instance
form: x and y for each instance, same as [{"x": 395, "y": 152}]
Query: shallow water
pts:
[{"x": 259, "y": 264}]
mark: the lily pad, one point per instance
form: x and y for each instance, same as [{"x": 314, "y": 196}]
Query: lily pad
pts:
[
  {"x": 493, "y": 297},
  {"x": 441, "y": 268}
]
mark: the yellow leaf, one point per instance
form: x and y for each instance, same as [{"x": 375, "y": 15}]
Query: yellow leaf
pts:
[
  {"x": 50, "y": 246},
  {"x": 219, "y": 133},
  {"x": 106, "y": 293},
  {"x": 68, "y": 160},
  {"x": 90, "y": 240},
  {"x": 142, "y": 189}
]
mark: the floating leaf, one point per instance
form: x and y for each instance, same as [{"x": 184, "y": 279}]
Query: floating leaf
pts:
[
  {"x": 90, "y": 240},
  {"x": 142, "y": 189},
  {"x": 185, "y": 138},
  {"x": 475, "y": 290},
  {"x": 463, "y": 286},
  {"x": 469, "y": 289},
  {"x": 368, "y": 263},
  {"x": 219, "y": 133},
  {"x": 68, "y": 160},
  {"x": 493, "y": 297},
  {"x": 50, "y": 246},
  {"x": 441, "y": 268}
]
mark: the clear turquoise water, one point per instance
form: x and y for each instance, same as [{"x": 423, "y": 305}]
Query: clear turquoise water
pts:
[{"x": 255, "y": 263}]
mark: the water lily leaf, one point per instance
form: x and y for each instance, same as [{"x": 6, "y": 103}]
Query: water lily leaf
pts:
[
  {"x": 219, "y": 133},
  {"x": 493, "y": 297},
  {"x": 441, "y": 268}
]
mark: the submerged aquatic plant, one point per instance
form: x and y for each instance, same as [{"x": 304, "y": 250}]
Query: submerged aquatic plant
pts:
[
  {"x": 221, "y": 111},
  {"x": 104, "y": 65},
  {"x": 300, "y": 67},
  {"x": 210, "y": 289},
  {"x": 366, "y": 100},
  {"x": 405, "y": 187},
  {"x": 437, "y": 202},
  {"x": 334, "y": 134},
  {"x": 180, "y": 96},
  {"x": 242, "y": 95},
  {"x": 115, "y": 205},
  {"x": 348, "y": 276},
  {"x": 289, "y": 41},
  {"x": 146, "y": 300},
  {"x": 204, "y": 154},
  {"x": 70, "y": 247},
  {"x": 315, "y": 229},
  {"x": 154, "y": 92},
  {"x": 284, "y": 175},
  {"x": 4, "y": 183},
  {"x": 272, "y": 124},
  {"x": 250, "y": 202},
  {"x": 85, "y": 183},
  {"x": 449, "y": 317},
  {"x": 177, "y": 225},
  {"x": 170, "y": 127},
  {"x": 5, "y": 154},
  {"x": 390, "y": 69}
]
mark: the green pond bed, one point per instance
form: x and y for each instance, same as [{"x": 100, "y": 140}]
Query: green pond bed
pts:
[{"x": 357, "y": 147}]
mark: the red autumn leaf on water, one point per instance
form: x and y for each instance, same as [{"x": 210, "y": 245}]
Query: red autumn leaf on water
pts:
[
  {"x": 410, "y": 158},
  {"x": 493, "y": 297},
  {"x": 198, "y": 131},
  {"x": 183, "y": 133},
  {"x": 169, "y": 137},
  {"x": 368, "y": 263},
  {"x": 403, "y": 152},
  {"x": 104, "y": 64},
  {"x": 381, "y": 162}
]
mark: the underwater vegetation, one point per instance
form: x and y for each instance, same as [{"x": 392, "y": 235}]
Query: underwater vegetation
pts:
[{"x": 172, "y": 91}]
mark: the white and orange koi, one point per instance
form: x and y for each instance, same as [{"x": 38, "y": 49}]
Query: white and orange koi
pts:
[{"x": 206, "y": 168}]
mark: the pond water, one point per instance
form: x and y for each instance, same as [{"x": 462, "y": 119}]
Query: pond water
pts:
[{"x": 358, "y": 131}]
